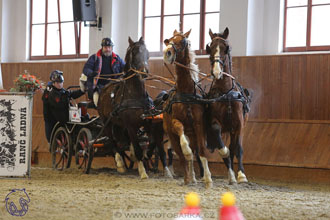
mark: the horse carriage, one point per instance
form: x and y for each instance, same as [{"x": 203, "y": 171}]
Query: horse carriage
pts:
[
  {"x": 193, "y": 122},
  {"x": 82, "y": 137},
  {"x": 121, "y": 125}
]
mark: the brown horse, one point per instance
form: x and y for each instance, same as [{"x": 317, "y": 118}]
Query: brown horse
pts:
[
  {"x": 183, "y": 120},
  {"x": 228, "y": 114},
  {"x": 121, "y": 105}
]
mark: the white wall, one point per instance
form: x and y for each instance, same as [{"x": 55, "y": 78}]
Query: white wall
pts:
[
  {"x": 264, "y": 27},
  {"x": 14, "y": 31},
  {"x": 254, "y": 25},
  {"x": 125, "y": 14},
  {"x": 104, "y": 10},
  {"x": 234, "y": 15}
]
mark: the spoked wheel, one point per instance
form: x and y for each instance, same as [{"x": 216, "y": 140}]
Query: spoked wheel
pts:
[
  {"x": 84, "y": 151},
  {"x": 61, "y": 149}
]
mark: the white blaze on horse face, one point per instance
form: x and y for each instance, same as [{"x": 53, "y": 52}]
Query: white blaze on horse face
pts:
[
  {"x": 217, "y": 70},
  {"x": 168, "y": 54}
]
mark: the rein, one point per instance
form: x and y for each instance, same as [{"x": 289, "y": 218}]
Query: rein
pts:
[
  {"x": 150, "y": 77},
  {"x": 201, "y": 73}
]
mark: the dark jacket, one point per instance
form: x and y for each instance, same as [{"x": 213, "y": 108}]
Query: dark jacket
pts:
[
  {"x": 93, "y": 67},
  {"x": 56, "y": 103}
]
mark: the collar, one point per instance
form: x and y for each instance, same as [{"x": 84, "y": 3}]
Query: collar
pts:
[{"x": 99, "y": 54}]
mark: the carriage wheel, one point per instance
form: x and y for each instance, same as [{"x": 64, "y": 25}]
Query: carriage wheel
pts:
[
  {"x": 61, "y": 149},
  {"x": 84, "y": 151}
]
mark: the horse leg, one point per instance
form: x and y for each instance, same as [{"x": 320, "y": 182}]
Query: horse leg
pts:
[
  {"x": 175, "y": 143},
  {"x": 137, "y": 153},
  {"x": 185, "y": 149},
  {"x": 200, "y": 165},
  {"x": 124, "y": 155},
  {"x": 162, "y": 155},
  {"x": 224, "y": 152},
  {"x": 222, "y": 149},
  {"x": 170, "y": 161},
  {"x": 121, "y": 167},
  {"x": 200, "y": 137},
  {"x": 231, "y": 173},
  {"x": 120, "y": 164},
  {"x": 241, "y": 178}
]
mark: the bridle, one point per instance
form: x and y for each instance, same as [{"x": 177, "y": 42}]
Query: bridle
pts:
[
  {"x": 130, "y": 51},
  {"x": 183, "y": 43},
  {"x": 217, "y": 59}
]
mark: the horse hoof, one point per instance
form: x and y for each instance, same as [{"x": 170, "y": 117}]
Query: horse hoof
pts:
[
  {"x": 208, "y": 185},
  {"x": 171, "y": 170},
  {"x": 231, "y": 177},
  {"x": 167, "y": 173},
  {"x": 144, "y": 176},
  {"x": 121, "y": 169},
  {"x": 241, "y": 177}
]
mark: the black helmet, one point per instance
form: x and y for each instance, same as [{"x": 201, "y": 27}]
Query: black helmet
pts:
[
  {"x": 106, "y": 42},
  {"x": 56, "y": 76}
]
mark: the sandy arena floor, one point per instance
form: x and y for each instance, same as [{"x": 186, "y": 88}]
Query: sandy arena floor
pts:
[{"x": 105, "y": 194}]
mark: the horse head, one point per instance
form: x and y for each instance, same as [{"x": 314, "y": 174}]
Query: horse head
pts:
[
  {"x": 137, "y": 57},
  {"x": 176, "y": 47},
  {"x": 219, "y": 51}
]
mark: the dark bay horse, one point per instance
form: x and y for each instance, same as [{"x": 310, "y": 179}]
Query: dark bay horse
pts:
[
  {"x": 229, "y": 113},
  {"x": 122, "y": 103},
  {"x": 183, "y": 121}
]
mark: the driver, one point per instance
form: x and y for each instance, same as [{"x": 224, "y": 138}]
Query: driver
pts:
[{"x": 56, "y": 102}]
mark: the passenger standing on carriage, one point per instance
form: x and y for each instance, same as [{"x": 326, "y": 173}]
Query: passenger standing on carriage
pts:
[
  {"x": 56, "y": 102},
  {"x": 104, "y": 64}
]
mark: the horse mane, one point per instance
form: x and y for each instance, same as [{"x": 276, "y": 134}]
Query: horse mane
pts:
[{"x": 192, "y": 65}]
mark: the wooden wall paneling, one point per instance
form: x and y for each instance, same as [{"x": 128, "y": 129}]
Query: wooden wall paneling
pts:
[
  {"x": 287, "y": 144},
  {"x": 283, "y": 103},
  {"x": 323, "y": 88},
  {"x": 308, "y": 89},
  {"x": 296, "y": 88},
  {"x": 204, "y": 66},
  {"x": 314, "y": 77},
  {"x": 264, "y": 70},
  {"x": 38, "y": 134}
]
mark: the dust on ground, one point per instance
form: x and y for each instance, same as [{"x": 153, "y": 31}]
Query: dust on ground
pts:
[{"x": 106, "y": 194}]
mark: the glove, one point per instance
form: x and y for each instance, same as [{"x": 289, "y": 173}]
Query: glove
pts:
[{"x": 83, "y": 82}]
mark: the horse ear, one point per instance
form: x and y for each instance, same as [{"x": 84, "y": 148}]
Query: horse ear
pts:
[
  {"x": 208, "y": 49},
  {"x": 141, "y": 40},
  {"x": 211, "y": 34},
  {"x": 166, "y": 42},
  {"x": 226, "y": 33},
  {"x": 175, "y": 32},
  {"x": 130, "y": 41},
  {"x": 186, "y": 35}
]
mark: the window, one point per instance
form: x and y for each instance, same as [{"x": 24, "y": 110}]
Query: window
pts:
[
  {"x": 54, "y": 34},
  {"x": 161, "y": 17},
  {"x": 307, "y": 25}
]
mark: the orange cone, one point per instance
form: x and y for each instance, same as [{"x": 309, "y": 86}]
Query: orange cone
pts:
[
  {"x": 229, "y": 211},
  {"x": 191, "y": 210}
]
